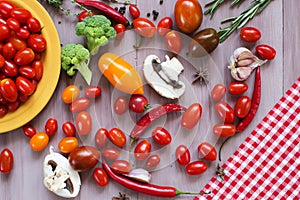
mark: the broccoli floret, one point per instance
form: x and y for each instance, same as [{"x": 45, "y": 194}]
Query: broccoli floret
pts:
[
  {"x": 76, "y": 57},
  {"x": 96, "y": 30}
]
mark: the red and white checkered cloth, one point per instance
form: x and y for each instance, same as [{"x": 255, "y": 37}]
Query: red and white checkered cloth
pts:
[{"x": 267, "y": 164}]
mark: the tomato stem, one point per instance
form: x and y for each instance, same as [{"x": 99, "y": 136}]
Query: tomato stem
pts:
[
  {"x": 220, "y": 150},
  {"x": 178, "y": 192}
]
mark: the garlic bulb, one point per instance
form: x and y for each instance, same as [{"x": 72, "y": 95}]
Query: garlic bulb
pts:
[{"x": 242, "y": 63}]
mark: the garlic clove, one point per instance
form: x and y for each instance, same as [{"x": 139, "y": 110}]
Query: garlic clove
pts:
[{"x": 140, "y": 175}]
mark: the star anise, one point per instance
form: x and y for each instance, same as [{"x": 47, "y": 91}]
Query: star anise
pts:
[
  {"x": 220, "y": 172},
  {"x": 201, "y": 76},
  {"x": 121, "y": 197}
]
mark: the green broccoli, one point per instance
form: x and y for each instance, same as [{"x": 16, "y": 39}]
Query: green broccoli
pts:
[
  {"x": 76, "y": 57},
  {"x": 96, "y": 30}
]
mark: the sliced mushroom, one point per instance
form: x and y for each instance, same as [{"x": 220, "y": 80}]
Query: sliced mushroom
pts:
[{"x": 59, "y": 177}]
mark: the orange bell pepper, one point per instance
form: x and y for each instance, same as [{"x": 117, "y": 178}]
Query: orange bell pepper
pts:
[{"x": 120, "y": 73}]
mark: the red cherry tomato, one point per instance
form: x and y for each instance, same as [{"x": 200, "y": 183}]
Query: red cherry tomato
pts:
[
  {"x": 70, "y": 93},
  {"x": 69, "y": 129},
  {"x": 117, "y": 137},
  {"x": 218, "y": 92},
  {"x": 224, "y": 130},
  {"x": 164, "y": 25},
  {"x": 3, "y": 110},
  {"x": 51, "y": 126},
  {"x": 67, "y": 144},
  {"x": 5, "y": 8},
  {"x": 142, "y": 150},
  {"x": 265, "y": 51},
  {"x": 29, "y": 131},
  {"x": 173, "y": 41},
  {"x": 8, "y": 89},
  {"x": 110, "y": 153},
  {"x": 120, "y": 166},
  {"x": 24, "y": 56},
  {"x": 152, "y": 161},
  {"x": 120, "y": 105},
  {"x": 27, "y": 72},
  {"x": 4, "y": 32},
  {"x": 161, "y": 136},
  {"x": 120, "y": 29},
  {"x": 225, "y": 112},
  {"x": 37, "y": 42},
  {"x": 6, "y": 161},
  {"x": 39, "y": 141},
  {"x": 18, "y": 43},
  {"x": 138, "y": 103},
  {"x": 144, "y": 27},
  {"x": 13, "y": 24},
  {"x": 23, "y": 33},
  {"x": 23, "y": 98},
  {"x": 207, "y": 151},
  {"x": 196, "y": 168},
  {"x": 9, "y": 51},
  {"x": 10, "y": 69},
  {"x": 84, "y": 14},
  {"x": 33, "y": 25},
  {"x": 12, "y": 106},
  {"x": 21, "y": 14},
  {"x": 83, "y": 123},
  {"x": 100, "y": 176},
  {"x": 25, "y": 86},
  {"x": 80, "y": 104},
  {"x": 39, "y": 69},
  {"x": 101, "y": 137},
  {"x": 191, "y": 116},
  {"x": 92, "y": 91},
  {"x": 134, "y": 11},
  {"x": 250, "y": 34},
  {"x": 183, "y": 155},
  {"x": 237, "y": 87},
  {"x": 242, "y": 106}
]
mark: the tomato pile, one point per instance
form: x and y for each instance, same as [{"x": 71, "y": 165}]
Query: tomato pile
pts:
[{"x": 21, "y": 46}]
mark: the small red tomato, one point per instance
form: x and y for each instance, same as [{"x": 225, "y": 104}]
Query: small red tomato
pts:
[
  {"x": 191, "y": 116},
  {"x": 218, "y": 92},
  {"x": 237, "y": 87},
  {"x": 100, "y": 176},
  {"x": 120, "y": 105},
  {"x": 51, "y": 126},
  {"x": 224, "y": 130},
  {"x": 9, "y": 51},
  {"x": 120, "y": 29},
  {"x": 10, "y": 69},
  {"x": 120, "y": 167},
  {"x": 39, "y": 141},
  {"x": 33, "y": 25},
  {"x": 4, "y": 32},
  {"x": 3, "y": 110},
  {"x": 134, "y": 11},
  {"x": 13, "y": 24},
  {"x": 18, "y": 43},
  {"x": 84, "y": 14},
  {"x": 37, "y": 42},
  {"x": 23, "y": 98},
  {"x": 225, "y": 112},
  {"x": 138, "y": 103},
  {"x": 67, "y": 144},
  {"x": 173, "y": 41},
  {"x": 83, "y": 123},
  {"x": 183, "y": 155},
  {"x": 21, "y": 14},
  {"x": 142, "y": 150},
  {"x": 25, "y": 86},
  {"x": 5, "y": 8},
  {"x": 101, "y": 137},
  {"x": 29, "y": 131},
  {"x": 164, "y": 25},
  {"x": 152, "y": 161},
  {"x": 144, "y": 27},
  {"x": 110, "y": 153},
  {"x": 24, "y": 56},
  {"x": 70, "y": 93},
  {"x": 27, "y": 71},
  {"x": 39, "y": 68},
  {"x": 6, "y": 161},
  {"x": 161, "y": 136},
  {"x": 196, "y": 168},
  {"x": 242, "y": 106},
  {"x": 69, "y": 129},
  {"x": 23, "y": 33},
  {"x": 8, "y": 89},
  {"x": 117, "y": 137},
  {"x": 80, "y": 104},
  {"x": 12, "y": 106},
  {"x": 265, "y": 51},
  {"x": 207, "y": 151},
  {"x": 92, "y": 91},
  {"x": 250, "y": 34}
]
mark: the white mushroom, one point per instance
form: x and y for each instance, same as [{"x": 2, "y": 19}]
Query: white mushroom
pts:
[
  {"x": 163, "y": 76},
  {"x": 59, "y": 177}
]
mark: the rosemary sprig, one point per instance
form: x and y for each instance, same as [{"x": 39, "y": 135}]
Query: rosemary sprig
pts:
[{"x": 215, "y": 4}]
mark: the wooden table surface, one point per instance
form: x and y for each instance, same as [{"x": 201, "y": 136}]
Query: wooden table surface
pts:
[{"x": 279, "y": 27}]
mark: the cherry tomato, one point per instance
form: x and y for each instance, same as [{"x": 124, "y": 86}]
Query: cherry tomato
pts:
[
  {"x": 84, "y": 14},
  {"x": 134, "y": 11},
  {"x": 27, "y": 71},
  {"x": 196, "y": 168},
  {"x": 237, "y": 87},
  {"x": 51, "y": 126},
  {"x": 117, "y": 137},
  {"x": 100, "y": 176},
  {"x": 39, "y": 69},
  {"x": 10, "y": 69},
  {"x": 39, "y": 141},
  {"x": 4, "y": 32},
  {"x": 207, "y": 151},
  {"x": 2, "y": 21},
  {"x": 2, "y": 61},
  {"x": 80, "y": 104},
  {"x": 224, "y": 130},
  {"x": 6, "y": 161},
  {"x": 5, "y": 8},
  {"x": 144, "y": 27},
  {"x": 3, "y": 110},
  {"x": 25, "y": 86},
  {"x": 18, "y": 43},
  {"x": 37, "y": 42},
  {"x": 21, "y": 14},
  {"x": 111, "y": 153},
  {"x": 24, "y": 56},
  {"x": 218, "y": 92},
  {"x": 161, "y": 136},
  {"x": 29, "y": 131},
  {"x": 92, "y": 91},
  {"x": 191, "y": 116},
  {"x": 12, "y": 106},
  {"x": 33, "y": 25},
  {"x": 23, "y": 33},
  {"x": 3, "y": 101},
  {"x": 173, "y": 41},
  {"x": 183, "y": 155},
  {"x": 9, "y": 51},
  {"x": 8, "y": 89},
  {"x": 70, "y": 93},
  {"x": 120, "y": 105},
  {"x": 83, "y": 123},
  {"x": 164, "y": 25},
  {"x": 242, "y": 106},
  {"x": 225, "y": 112},
  {"x": 142, "y": 150},
  {"x": 265, "y": 51},
  {"x": 120, "y": 29},
  {"x": 152, "y": 161},
  {"x": 68, "y": 144},
  {"x": 138, "y": 103},
  {"x": 188, "y": 15},
  {"x": 13, "y": 24},
  {"x": 121, "y": 166},
  {"x": 101, "y": 137},
  {"x": 250, "y": 34},
  {"x": 23, "y": 98},
  {"x": 69, "y": 129}
]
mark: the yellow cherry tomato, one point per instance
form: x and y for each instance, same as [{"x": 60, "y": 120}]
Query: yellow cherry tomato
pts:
[
  {"x": 68, "y": 144},
  {"x": 39, "y": 141},
  {"x": 120, "y": 73},
  {"x": 70, "y": 93}
]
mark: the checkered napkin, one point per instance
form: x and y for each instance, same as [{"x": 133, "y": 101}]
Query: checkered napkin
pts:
[{"x": 267, "y": 164}]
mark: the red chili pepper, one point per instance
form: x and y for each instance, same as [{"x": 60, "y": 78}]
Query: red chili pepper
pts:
[
  {"x": 106, "y": 10},
  {"x": 149, "y": 189}
]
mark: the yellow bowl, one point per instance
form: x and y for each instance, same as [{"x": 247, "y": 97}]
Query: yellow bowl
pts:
[{"x": 51, "y": 60}]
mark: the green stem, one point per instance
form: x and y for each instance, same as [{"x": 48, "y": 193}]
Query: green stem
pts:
[
  {"x": 178, "y": 192},
  {"x": 220, "y": 150}
]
